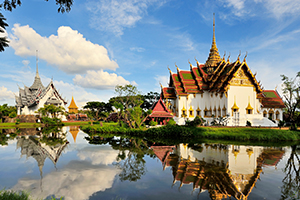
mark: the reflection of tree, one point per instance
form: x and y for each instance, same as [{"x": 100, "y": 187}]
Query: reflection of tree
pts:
[
  {"x": 131, "y": 155},
  {"x": 291, "y": 182},
  {"x": 4, "y": 137},
  {"x": 53, "y": 136}
]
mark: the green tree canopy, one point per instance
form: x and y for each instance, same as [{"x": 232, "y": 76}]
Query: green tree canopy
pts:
[
  {"x": 98, "y": 109},
  {"x": 291, "y": 91}
]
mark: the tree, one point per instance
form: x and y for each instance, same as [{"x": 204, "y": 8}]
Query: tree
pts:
[
  {"x": 9, "y": 5},
  {"x": 98, "y": 109},
  {"x": 291, "y": 91},
  {"x": 149, "y": 99},
  {"x": 128, "y": 97},
  {"x": 51, "y": 110},
  {"x": 6, "y": 110}
]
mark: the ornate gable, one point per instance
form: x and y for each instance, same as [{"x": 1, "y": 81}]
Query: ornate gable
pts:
[{"x": 241, "y": 79}]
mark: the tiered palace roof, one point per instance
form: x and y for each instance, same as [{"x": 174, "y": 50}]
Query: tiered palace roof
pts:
[
  {"x": 214, "y": 75},
  {"x": 30, "y": 96}
]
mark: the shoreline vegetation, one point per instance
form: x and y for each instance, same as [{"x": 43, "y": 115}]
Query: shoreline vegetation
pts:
[
  {"x": 190, "y": 133},
  {"x": 33, "y": 125}
]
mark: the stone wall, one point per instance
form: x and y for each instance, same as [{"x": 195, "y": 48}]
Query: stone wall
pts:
[{"x": 23, "y": 119}]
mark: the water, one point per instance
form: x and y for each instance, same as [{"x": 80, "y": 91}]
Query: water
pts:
[{"x": 72, "y": 165}]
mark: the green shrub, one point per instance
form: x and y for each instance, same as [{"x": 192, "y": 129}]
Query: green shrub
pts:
[
  {"x": 248, "y": 123},
  {"x": 12, "y": 195},
  {"x": 12, "y": 115},
  {"x": 281, "y": 124},
  {"x": 18, "y": 121},
  {"x": 171, "y": 122},
  {"x": 152, "y": 123}
]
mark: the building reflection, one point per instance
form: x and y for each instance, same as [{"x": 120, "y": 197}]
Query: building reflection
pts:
[
  {"x": 42, "y": 145},
  {"x": 223, "y": 170}
]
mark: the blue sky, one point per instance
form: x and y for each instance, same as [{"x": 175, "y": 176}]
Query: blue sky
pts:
[{"x": 103, "y": 43}]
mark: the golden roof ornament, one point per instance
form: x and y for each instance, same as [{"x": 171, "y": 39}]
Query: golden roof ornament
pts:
[
  {"x": 245, "y": 56},
  {"x": 214, "y": 56}
]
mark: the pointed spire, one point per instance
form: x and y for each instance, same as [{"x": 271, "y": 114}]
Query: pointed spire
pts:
[
  {"x": 214, "y": 56},
  {"x": 37, "y": 68}
]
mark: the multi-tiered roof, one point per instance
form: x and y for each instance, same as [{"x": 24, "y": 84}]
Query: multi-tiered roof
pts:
[
  {"x": 215, "y": 75},
  {"x": 30, "y": 96}
]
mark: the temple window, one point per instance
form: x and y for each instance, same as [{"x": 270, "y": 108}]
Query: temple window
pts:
[
  {"x": 198, "y": 112},
  {"x": 277, "y": 115},
  {"x": 265, "y": 113},
  {"x": 183, "y": 111},
  {"x": 271, "y": 114},
  {"x": 224, "y": 111},
  {"x": 191, "y": 111}
]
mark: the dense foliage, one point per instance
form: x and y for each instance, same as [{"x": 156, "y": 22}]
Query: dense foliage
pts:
[
  {"x": 175, "y": 131},
  {"x": 291, "y": 91},
  {"x": 6, "y": 110}
]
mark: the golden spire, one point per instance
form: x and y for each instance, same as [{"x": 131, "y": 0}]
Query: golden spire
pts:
[{"x": 214, "y": 56}]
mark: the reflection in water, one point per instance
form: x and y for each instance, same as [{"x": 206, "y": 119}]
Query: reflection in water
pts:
[
  {"x": 42, "y": 146},
  {"x": 223, "y": 170},
  {"x": 130, "y": 158},
  {"x": 291, "y": 182},
  {"x": 214, "y": 171},
  {"x": 77, "y": 179}
]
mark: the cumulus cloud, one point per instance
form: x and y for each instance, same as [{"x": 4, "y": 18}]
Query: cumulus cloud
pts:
[
  {"x": 114, "y": 16},
  {"x": 99, "y": 80},
  {"x": 68, "y": 50},
  {"x": 98, "y": 155},
  {"x": 6, "y": 94},
  {"x": 78, "y": 180}
]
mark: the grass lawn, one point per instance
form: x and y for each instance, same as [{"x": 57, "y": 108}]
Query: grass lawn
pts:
[{"x": 211, "y": 133}]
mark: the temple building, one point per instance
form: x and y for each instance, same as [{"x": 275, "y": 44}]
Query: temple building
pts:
[
  {"x": 73, "y": 107},
  {"x": 30, "y": 99},
  {"x": 220, "y": 88}
]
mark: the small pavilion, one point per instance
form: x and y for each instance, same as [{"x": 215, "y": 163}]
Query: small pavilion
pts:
[{"x": 160, "y": 113}]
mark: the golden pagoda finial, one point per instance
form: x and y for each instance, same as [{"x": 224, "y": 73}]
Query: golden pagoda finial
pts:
[
  {"x": 245, "y": 56},
  {"x": 214, "y": 56},
  {"x": 169, "y": 70},
  {"x": 196, "y": 60},
  {"x": 176, "y": 67},
  {"x": 239, "y": 56},
  {"x": 224, "y": 55},
  {"x": 190, "y": 63},
  {"x": 228, "y": 58},
  {"x": 160, "y": 85}
]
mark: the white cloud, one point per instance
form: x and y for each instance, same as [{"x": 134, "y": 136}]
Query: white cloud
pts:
[
  {"x": 78, "y": 180},
  {"x": 138, "y": 49},
  {"x": 114, "y": 15},
  {"x": 6, "y": 94},
  {"x": 277, "y": 8},
  {"x": 280, "y": 8},
  {"x": 98, "y": 155},
  {"x": 68, "y": 50},
  {"x": 99, "y": 80}
]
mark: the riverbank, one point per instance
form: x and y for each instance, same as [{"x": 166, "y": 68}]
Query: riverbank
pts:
[
  {"x": 212, "y": 133},
  {"x": 32, "y": 125}
]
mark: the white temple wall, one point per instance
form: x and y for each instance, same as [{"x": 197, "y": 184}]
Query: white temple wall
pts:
[
  {"x": 31, "y": 110},
  {"x": 242, "y": 95}
]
